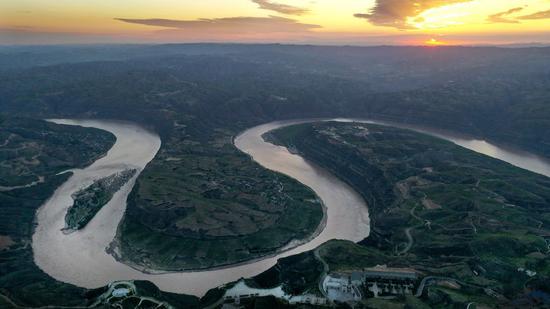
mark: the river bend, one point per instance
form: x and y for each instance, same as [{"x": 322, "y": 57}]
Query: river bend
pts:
[{"x": 80, "y": 258}]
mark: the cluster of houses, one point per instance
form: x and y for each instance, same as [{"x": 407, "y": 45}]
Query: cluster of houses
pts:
[{"x": 377, "y": 281}]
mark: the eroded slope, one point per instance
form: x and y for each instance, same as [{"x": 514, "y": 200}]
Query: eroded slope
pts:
[
  {"x": 202, "y": 203},
  {"x": 437, "y": 208}
]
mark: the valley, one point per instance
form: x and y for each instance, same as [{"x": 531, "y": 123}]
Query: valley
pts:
[
  {"x": 212, "y": 204},
  {"x": 56, "y": 149},
  {"x": 435, "y": 207}
]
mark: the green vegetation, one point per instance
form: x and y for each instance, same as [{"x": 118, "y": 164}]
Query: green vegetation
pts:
[
  {"x": 147, "y": 289},
  {"x": 298, "y": 274},
  {"x": 138, "y": 295},
  {"x": 148, "y": 292},
  {"x": 264, "y": 302},
  {"x": 494, "y": 93},
  {"x": 88, "y": 201},
  {"x": 55, "y": 148},
  {"x": 199, "y": 96},
  {"x": 34, "y": 148},
  {"x": 436, "y": 207},
  {"x": 202, "y": 204},
  {"x": 342, "y": 256}
]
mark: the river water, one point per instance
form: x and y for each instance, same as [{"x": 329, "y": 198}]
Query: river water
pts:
[
  {"x": 517, "y": 157},
  {"x": 80, "y": 258}
]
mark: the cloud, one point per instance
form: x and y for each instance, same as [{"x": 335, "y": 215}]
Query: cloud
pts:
[
  {"x": 538, "y": 15},
  {"x": 229, "y": 25},
  {"x": 503, "y": 17},
  {"x": 280, "y": 8},
  {"x": 394, "y": 13}
]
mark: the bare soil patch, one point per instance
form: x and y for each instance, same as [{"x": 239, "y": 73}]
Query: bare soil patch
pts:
[{"x": 5, "y": 242}]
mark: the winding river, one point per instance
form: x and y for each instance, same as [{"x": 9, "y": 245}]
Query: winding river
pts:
[{"x": 80, "y": 258}]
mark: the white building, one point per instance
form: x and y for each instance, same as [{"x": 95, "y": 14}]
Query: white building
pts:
[
  {"x": 122, "y": 292},
  {"x": 340, "y": 288}
]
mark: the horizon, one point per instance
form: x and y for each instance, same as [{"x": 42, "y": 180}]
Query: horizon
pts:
[
  {"x": 274, "y": 153},
  {"x": 326, "y": 45},
  {"x": 299, "y": 22}
]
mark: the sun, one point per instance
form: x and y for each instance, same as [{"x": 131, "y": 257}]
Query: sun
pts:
[{"x": 435, "y": 42}]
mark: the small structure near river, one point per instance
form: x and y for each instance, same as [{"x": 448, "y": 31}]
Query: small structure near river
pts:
[{"x": 371, "y": 282}]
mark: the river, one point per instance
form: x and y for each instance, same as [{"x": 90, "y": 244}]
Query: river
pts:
[{"x": 80, "y": 258}]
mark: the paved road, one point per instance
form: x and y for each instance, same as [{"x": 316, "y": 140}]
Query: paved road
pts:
[
  {"x": 426, "y": 279},
  {"x": 424, "y": 282},
  {"x": 325, "y": 271},
  {"x": 410, "y": 241}
]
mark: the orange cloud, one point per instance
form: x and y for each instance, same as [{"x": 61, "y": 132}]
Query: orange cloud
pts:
[
  {"x": 280, "y": 8},
  {"x": 502, "y": 17},
  {"x": 394, "y": 13},
  {"x": 258, "y": 25},
  {"x": 538, "y": 15}
]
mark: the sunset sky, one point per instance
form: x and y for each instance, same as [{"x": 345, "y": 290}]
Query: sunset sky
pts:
[{"x": 358, "y": 22}]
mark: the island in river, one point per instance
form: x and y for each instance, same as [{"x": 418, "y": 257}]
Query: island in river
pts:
[
  {"x": 88, "y": 201},
  {"x": 437, "y": 208},
  {"x": 499, "y": 94},
  {"x": 300, "y": 273},
  {"x": 81, "y": 259},
  {"x": 30, "y": 149}
]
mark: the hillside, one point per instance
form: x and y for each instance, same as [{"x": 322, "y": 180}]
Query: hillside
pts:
[{"x": 436, "y": 207}]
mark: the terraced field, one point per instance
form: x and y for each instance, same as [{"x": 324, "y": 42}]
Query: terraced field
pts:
[
  {"x": 32, "y": 150},
  {"x": 202, "y": 203},
  {"x": 35, "y": 149},
  {"x": 436, "y": 207}
]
